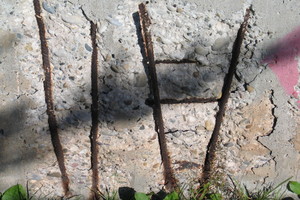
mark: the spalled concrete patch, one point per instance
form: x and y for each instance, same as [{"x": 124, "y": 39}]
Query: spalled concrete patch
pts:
[
  {"x": 187, "y": 142},
  {"x": 260, "y": 136},
  {"x": 261, "y": 124},
  {"x": 253, "y": 121}
]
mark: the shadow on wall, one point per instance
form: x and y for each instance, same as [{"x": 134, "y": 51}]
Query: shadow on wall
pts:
[
  {"x": 13, "y": 152},
  {"x": 122, "y": 95}
]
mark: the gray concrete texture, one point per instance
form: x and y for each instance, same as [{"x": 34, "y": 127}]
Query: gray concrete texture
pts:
[{"x": 260, "y": 138}]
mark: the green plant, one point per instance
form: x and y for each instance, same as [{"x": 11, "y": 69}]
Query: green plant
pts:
[
  {"x": 239, "y": 191},
  {"x": 266, "y": 193},
  {"x": 108, "y": 195},
  {"x": 16, "y": 192},
  {"x": 172, "y": 196},
  {"x": 208, "y": 191},
  {"x": 191, "y": 191},
  {"x": 201, "y": 193},
  {"x": 205, "y": 192},
  {"x": 294, "y": 187},
  {"x": 271, "y": 192},
  {"x": 141, "y": 196}
]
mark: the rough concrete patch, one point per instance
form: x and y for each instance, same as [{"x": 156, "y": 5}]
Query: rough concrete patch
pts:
[
  {"x": 187, "y": 137},
  {"x": 278, "y": 142},
  {"x": 260, "y": 116},
  {"x": 250, "y": 123}
]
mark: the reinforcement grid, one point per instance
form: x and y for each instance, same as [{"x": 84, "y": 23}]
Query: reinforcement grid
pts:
[{"x": 150, "y": 62}]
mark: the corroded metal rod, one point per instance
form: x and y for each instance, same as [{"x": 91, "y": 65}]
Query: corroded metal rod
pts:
[
  {"x": 94, "y": 134},
  {"x": 211, "y": 148},
  {"x": 170, "y": 181},
  {"x": 95, "y": 113},
  {"x": 49, "y": 98}
]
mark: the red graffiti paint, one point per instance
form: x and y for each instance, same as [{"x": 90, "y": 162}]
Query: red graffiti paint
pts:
[{"x": 283, "y": 62}]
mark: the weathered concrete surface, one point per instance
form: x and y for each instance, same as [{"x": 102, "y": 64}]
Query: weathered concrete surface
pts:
[
  {"x": 280, "y": 19},
  {"x": 260, "y": 135}
]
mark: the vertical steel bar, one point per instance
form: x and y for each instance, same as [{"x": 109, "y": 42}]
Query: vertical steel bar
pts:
[
  {"x": 95, "y": 114},
  {"x": 211, "y": 148},
  {"x": 49, "y": 98},
  {"x": 170, "y": 181}
]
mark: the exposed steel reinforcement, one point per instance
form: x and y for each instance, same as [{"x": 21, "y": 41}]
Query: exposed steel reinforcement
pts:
[
  {"x": 211, "y": 148},
  {"x": 188, "y": 100},
  {"x": 94, "y": 111},
  {"x": 175, "y": 61},
  {"x": 150, "y": 102},
  {"x": 49, "y": 98},
  {"x": 170, "y": 181},
  {"x": 95, "y": 114}
]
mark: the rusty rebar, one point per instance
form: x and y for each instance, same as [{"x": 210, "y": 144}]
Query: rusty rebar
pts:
[
  {"x": 95, "y": 114},
  {"x": 94, "y": 134},
  {"x": 170, "y": 181},
  {"x": 183, "y": 61},
  {"x": 150, "y": 102},
  {"x": 188, "y": 100},
  {"x": 211, "y": 148},
  {"x": 49, "y": 98}
]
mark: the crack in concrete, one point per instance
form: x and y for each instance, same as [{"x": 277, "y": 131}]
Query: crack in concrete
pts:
[
  {"x": 273, "y": 127},
  {"x": 270, "y": 151},
  {"x": 273, "y": 112},
  {"x": 261, "y": 71}
]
